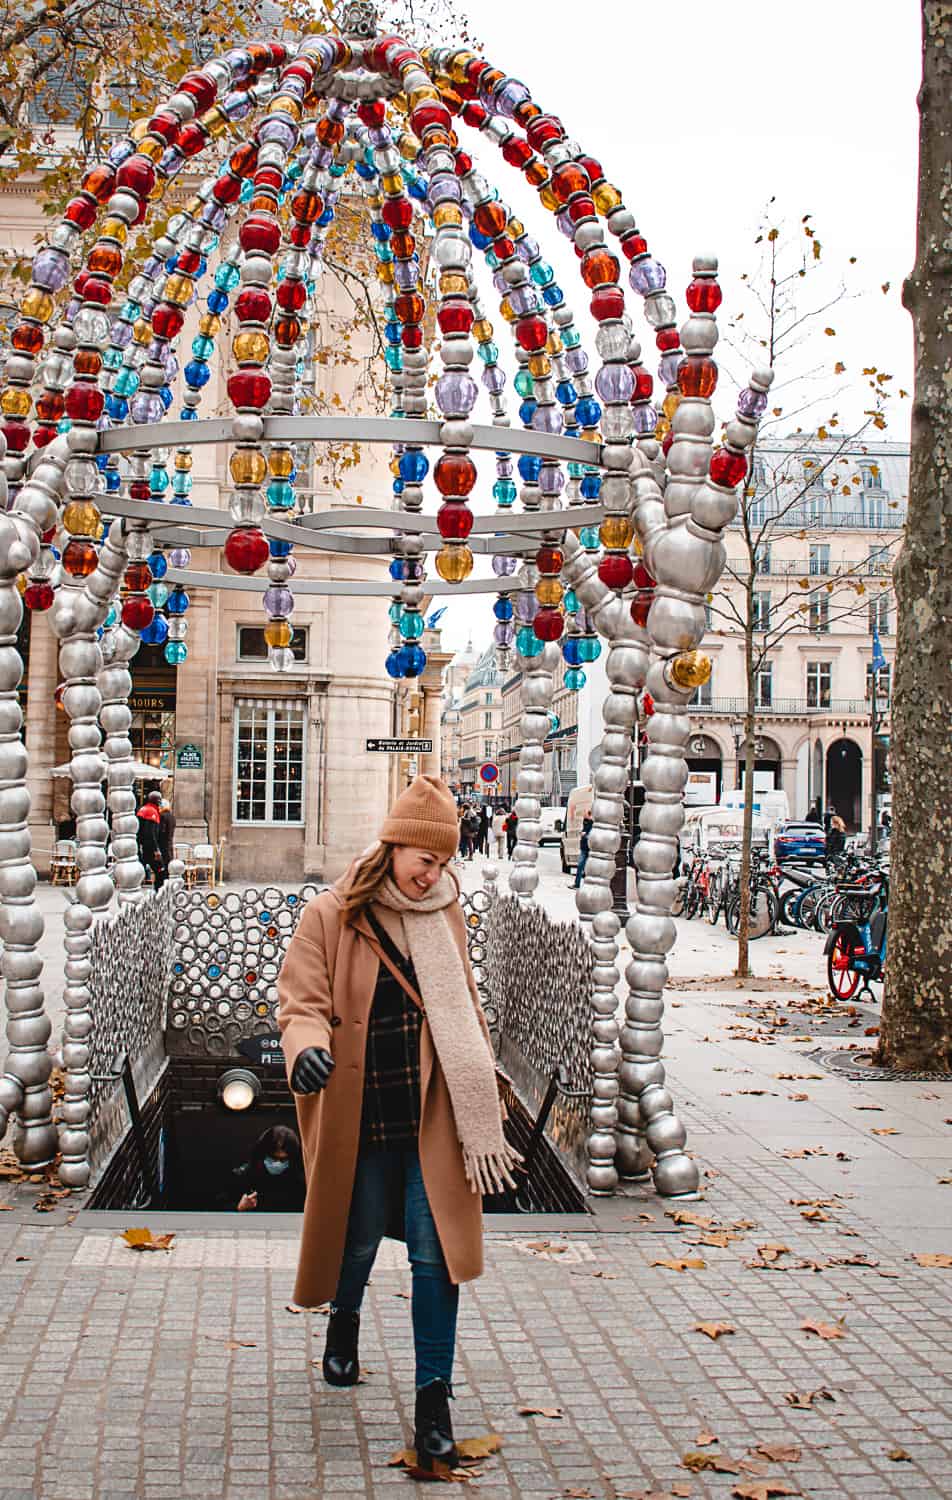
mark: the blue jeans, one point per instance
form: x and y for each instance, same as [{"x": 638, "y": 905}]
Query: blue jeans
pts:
[
  {"x": 435, "y": 1299},
  {"x": 580, "y": 867}
]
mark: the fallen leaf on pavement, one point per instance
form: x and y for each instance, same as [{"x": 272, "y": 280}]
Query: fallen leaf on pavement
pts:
[
  {"x": 552, "y": 1412},
  {"x": 771, "y": 1252},
  {"x": 719, "y": 1462},
  {"x": 578, "y": 1494},
  {"x": 827, "y": 1330},
  {"x": 944, "y": 1180},
  {"x": 470, "y": 1451},
  {"x": 814, "y": 1215},
  {"x": 798, "y": 1098},
  {"x": 762, "y": 1489},
  {"x": 778, "y": 1453},
  {"x": 942, "y": 1262},
  {"x": 899, "y": 1456},
  {"x": 806, "y": 1151},
  {"x": 853, "y": 1260},
  {"x": 719, "y": 1238},
  {"x": 686, "y": 1216},
  {"x": 143, "y": 1239},
  {"x": 239, "y": 1344},
  {"x": 689, "y": 1263},
  {"x": 878, "y": 1107},
  {"x": 885, "y": 1130},
  {"x": 479, "y": 1447},
  {"x": 705, "y": 1439},
  {"x": 714, "y": 1330},
  {"x": 804, "y": 1400}
]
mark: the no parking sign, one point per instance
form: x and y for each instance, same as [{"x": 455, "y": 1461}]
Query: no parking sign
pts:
[{"x": 489, "y": 772}]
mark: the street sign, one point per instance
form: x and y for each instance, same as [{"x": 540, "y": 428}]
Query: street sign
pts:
[
  {"x": 489, "y": 772},
  {"x": 189, "y": 758},
  {"x": 264, "y": 1051},
  {"x": 400, "y": 747}
]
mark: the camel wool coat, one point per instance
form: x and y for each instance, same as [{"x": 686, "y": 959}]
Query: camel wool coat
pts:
[{"x": 325, "y": 995}]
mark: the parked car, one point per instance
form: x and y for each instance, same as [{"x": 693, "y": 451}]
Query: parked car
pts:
[{"x": 798, "y": 840}]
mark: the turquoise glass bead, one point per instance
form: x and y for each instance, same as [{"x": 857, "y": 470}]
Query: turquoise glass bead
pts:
[
  {"x": 158, "y": 481},
  {"x": 574, "y": 679},
  {"x": 227, "y": 277},
  {"x": 542, "y": 273},
  {"x": 589, "y": 648},
  {"x": 158, "y": 593},
  {"x": 489, "y": 353},
  {"x": 523, "y": 383},
  {"x": 280, "y": 493},
  {"x": 181, "y": 483},
  {"x": 126, "y": 383},
  {"x": 412, "y": 625},
  {"x": 571, "y": 338},
  {"x": 570, "y": 600},
  {"x": 504, "y": 492},
  {"x": 589, "y": 538},
  {"x": 528, "y": 643},
  {"x": 203, "y": 347},
  {"x": 395, "y": 613},
  {"x": 175, "y": 653}
]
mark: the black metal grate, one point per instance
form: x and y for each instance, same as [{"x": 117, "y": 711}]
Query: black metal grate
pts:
[{"x": 847, "y": 1063}]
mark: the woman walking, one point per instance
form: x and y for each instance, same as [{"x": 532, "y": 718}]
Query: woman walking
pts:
[{"x": 388, "y": 1053}]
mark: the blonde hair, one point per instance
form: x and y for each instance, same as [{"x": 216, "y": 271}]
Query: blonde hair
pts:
[{"x": 368, "y": 878}]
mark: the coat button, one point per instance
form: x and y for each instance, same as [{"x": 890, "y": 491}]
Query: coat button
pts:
[{"x": 335, "y": 1020}]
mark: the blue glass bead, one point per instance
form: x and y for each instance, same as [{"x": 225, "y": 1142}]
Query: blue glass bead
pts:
[
  {"x": 590, "y": 648},
  {"x": 417, "y": 189},
  {"x": 158, "y": 481},
  {"x": 591, "y": 486},
  {"x": 523, "y": 383},
  {"x": 227, "y": 277},
  {"x": 566, "y": 393},
  {"x": 166, "y": 397},
  {"x": 326, "y": 218},
  {"x": 380, "y": 231},
  {"x": 414, "y": 466},
  {"x": 574, "y": 679},
  {"x": 504, "y": 492},
  {"x": 572, "y": 650},
  {"x": 202, "y": 267},
  {"x": 217, "y": 301},
  {"x": 529, "y": 468},
  {"x": 188, "y": 414},
  {"x": 394, "y": 665},
  {"x": 398, "y": 486},
  {"x": 203, "y": 347},
  {"x": 197, "y": 373},
  {"x": 526, "y": 412},
  {"x": 502, "y": 609},
  {"x": 527, "y": 642},
  {"x": 116, "y": 408},
  {"x": 171, "y": 264},
  {"x": 588, "y": 411},
  {"x": 158, "y": 564},
  {"x": 412, "y": 625},
  {"x": 280, "y": 494},
  {"x": 177, "y": 602},
  {"x": 113, "y": 480},
  {"x": 175, "y": 653},
  {"x": 589, "y": 538},
  {"x": 553, "y": 296},
  {"x": 362, "y": 170},
  {"x": 279, "y": 548},
  {"x": 391, "y": 332},
  {"x": 111, "y": 618},
  {"x": 102, "y": 462},
  {"x": 398, "y": 572},
  {"x": 156, "y": 633},
  {"x": 480, "y": 240},
  {"x": 181, "y": 483},
  {"x": 412, "y": 659},
  {"x": 126, "y": 383},
  {"x": 247, "y": 191}
]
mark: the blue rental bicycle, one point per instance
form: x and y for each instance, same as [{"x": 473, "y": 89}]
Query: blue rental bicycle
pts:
[{"x": 856, "y": 946}]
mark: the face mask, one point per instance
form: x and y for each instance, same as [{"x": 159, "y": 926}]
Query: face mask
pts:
[{"x": 275, "y": 1167}]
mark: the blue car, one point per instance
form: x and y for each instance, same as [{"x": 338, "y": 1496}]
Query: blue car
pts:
[{"x": 795, "y": 840}]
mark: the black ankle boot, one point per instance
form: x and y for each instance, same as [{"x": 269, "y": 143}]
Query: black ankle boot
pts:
[
  {"x": 433, "y": 1438},
  {"x": 341, "y": 1365}
]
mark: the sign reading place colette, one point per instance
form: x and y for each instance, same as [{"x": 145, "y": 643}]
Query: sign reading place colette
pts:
[
  {"x": 189, "y": 758},
  {"x": 400, "y": 747}
]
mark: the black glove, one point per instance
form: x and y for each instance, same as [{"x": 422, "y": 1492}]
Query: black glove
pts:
[{"x": 312, "y": 1071}]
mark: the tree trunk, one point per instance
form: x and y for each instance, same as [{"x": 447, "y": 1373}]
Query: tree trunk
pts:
[
  {"x": 742, "y": 971},
  {"x": 916, "y": 1030}
]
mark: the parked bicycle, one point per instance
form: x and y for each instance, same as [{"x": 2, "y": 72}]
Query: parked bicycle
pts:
[{"x": 856, "y": 947}]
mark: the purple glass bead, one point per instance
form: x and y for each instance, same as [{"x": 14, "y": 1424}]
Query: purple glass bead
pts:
[
  {"x": 121, "y": 334},
  {"x": 294, "y": 86},
  {"x": 171, "y": 369},
  {"x": 581, "y": 620},
  {"x": 456, "y": 394},
  {"x": 548, "y": 418},
  {"x": 751, "y": 404},
  {"x": 291, "y": 564},
  {"x": 504, "y": 566},
  {"x": 152, "y": 266},
  {"x": 503, "y": 468},
  {"x": 323, "y": 157},
  {"x": 576, "y": 361},
  {"x": 501, "y": 284},
  {"x": 551, "y": 479},
  {"x": 444, "y": 189},
  {"x": 527, "y": 607},
  {"x": 524, "y": 299},
  {"x": 120, "y": 152},
  {"x": 72, "y": 308},
  {"x": 278, "y": 603},
  {"x": 405, "y": 274},
  {"x": 337, "y": 109},
  {"x": 381, "y": 137},
  {"x": 669, "y": 367},
  {"x": 647, "y": 275},
  {"x": 51, "y": 269},
  {"x": 239, "y": 62},
  {"x": 238, "y": 105},
  {"x": 509, "y": 95},
  {"x": 531, "y": 247},
  {"x": 277, "y": 132},
  {"x": 565, "y": 223},
  {"x": 213, "y": 214},
  {"x": 646, "y": 419},
  {"x": 504, "y": 633},
  {"x": 171, "y": 163},
  {"x": 180, "y": 557},
  {"x": 494, "y": 380},
  {"x": 157, "y": 351},
  {"x": 615, "y": 383},
  {"x": 146, "y": 407}
]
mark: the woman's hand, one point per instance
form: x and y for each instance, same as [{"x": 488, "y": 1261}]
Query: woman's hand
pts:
[
  {"x": 247, "y": 1201},
  {"x": 312, "y": 1071}
]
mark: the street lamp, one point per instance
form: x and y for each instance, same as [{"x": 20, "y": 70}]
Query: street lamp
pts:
[{"x": 735, "y": 728}]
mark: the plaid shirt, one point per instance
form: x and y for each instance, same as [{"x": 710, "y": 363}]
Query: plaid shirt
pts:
[{"x": 390, "y": 1117}]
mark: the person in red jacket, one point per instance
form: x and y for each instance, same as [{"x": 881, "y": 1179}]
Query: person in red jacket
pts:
[{"x": 150, "y": 848}]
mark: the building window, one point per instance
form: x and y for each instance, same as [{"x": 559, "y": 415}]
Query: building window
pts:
[
  {"x": 269, "y": 764},
  {"x": 703, "y": 695},
  {"x": 819, "y": 558},
  {"x": 883, "y": 683},
  {"x": 875, "y": 510},
  {"x": 489, "y": 697},
  {"x": 878, "y": 560},
  {"x": 762, "y": 558},
  {"x": 872, "y": 477},
  {"x": 763, "y": 685},
  {"x": 761, "y": 611},
  {"x": 488, "y": 749},
  {"x": 487, "y": 721},
  {"x": 819, "y": 683},
  {"x": 820, "y": 612},
  {"x": 252, "y": 645},
  {"x": 879, "y": 614},
  {"x": 758, "y": 510}
]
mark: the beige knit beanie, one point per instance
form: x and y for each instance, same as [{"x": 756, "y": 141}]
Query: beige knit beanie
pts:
[{"x": 424, "y": 817}]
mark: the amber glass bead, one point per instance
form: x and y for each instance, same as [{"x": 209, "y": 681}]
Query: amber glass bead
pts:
[
  {"x": 138, "y": 577},
  {"x": 80, "y": 558},
  {"x": 281, "y": 462},
  {"x": 697, "y": 377},
  {"x": 599, "y": 268},
  {"x": 606, "y": 197},
  {"x": 178, "y": 290},
  {"x": 507, "y": 310},
  {"x": 453, "y": 284},
  {"x": 671, "y": 403},
  {"x": 287, "y": 331},
  {"x": 454, "y": 475},
  {"x": 14, "y": 403},
  {"x": 99, "y": 182},
  {"x": 209, "y": 324},
  {"x": 330, "y": 132},
  {"x": 447, "y": 213},
  {"x": 490, "y": 218},
  {"x": 37, "y": 305},
  {"x": 277, "y": 633},
  {"x": 615, "y": 532},
  {"x": 569, "y": 178},
  {"x": 553, "y": 344},
  {"x": 87, "y": 362},
  {"x": 151, "y": 149},
  {"x": 183, "y": 460},
  {"x": 536, "y": 173},
  {"x": 410, "y": 307},
  {"x": 403, "y": 244},
  {"x": 483, "y": 331},
  {"x": 549, "y": 592},
  {"x": 27, "y": 338},
  {"x": 115, "y": 229},
  {"x": 454, "y": 563},
  {"x": 247, "y": 466},
  {"x": 251, "y": 348},
  {"x": 50, "y": 406},
  {"x": 540, "y": 366},
  {"x": 385, "y": 272},
  {"x": 287, "y": 104},
  {"x": 142, "y": 331},
  {"x": 306, "y": 207},
  {"x": 548, "y": 200}
]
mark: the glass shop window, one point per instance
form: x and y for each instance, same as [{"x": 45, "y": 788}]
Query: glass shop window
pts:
[
  {"x": 252, "y": 645},
  {"x": 269, "y": 765}
]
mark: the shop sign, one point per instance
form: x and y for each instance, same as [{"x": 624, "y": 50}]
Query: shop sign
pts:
[
  {"x": 151, "y": 702},
  {"x": 189, "y": 758}
]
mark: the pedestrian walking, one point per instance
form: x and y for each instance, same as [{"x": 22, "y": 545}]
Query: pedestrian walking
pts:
[
  {"x": 271, "y": 1181},
  {"x": 499, "y": 831},
  {"x": 150, "y": 852},
  {"x": 471, "y": 825},
  {"x": 485, "y": 824},
  {"x": 836, "y": 838},
  {"x": 511, "y": 826},
  {"x": 388, "y": 1054},
  {"x": 814, "y": 815},
  {"x": 166, "y": 831},
  {"x": 582, "y": 850},
  {"x": 465, "y": 836}
]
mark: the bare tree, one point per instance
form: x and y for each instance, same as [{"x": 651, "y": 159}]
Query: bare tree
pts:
[{"x": 916, "y": 1030}]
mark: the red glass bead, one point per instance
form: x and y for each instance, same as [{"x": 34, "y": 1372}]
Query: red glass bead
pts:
[
  {"x": 38, "y": 596},
  {"x": 279, "y": 54},
  {"x": 287, "y": 331},
  {"x": 84, "y": 403},
  {"x": 139, "y": 489},
  {"x": 644, "y": 384},
  {"x": 608, "y": 302},
  {"x": 410, "y": 307},
  {"x": 378, "y": 53},
  {"x": 454, "y": 475},
  {"x": 517, "y": 153},
  {"x": 640, "y": 606},
  {"x": 402, "y": 244},
  {"x": 429, "y": 114},
  {"x": 290, "y": 294},
  {"x": 330, "y": 132},
  {"x": 593, "y": 168},
  {"x": 454, "y": 521},
  {"x": 728, "y": 468},
  {"x": 100, "y": 183},
  {"x": 165, "y": 126},
  {"x": 503, "y": 247},
  {"x": 227, "y": 189},
  {"x": 43, "y": 435},
  {"x": 373, "y": 113},
  {"x": 192, "y": 138},
  {"x": 167, "y": 321},
  {"x": 253, "y": 305},
  {"x": 411, "y": 336},
  {"x": 302, "y": 68},
  {"x": 17, "y": 435},
  {"x": 697, "y": 377},
  {"x": 79, "y": 558},
  {"x": 397, "y": 213},
  {"x": 80, "y": 211},
  {"x": 642, "y": 578},
  {"x": 246, "y": 550},
  {"x": 49, "y": 537},
  {"x": 27, "y": 338},
  {"x": 137, "y": 613},
  {"x": 549, "y": 560},
  {"x": 581, "y": 207},
  {"x": 249, "y": 390},
  {"x": 569, "y": 178},
  {"x": 704, "y": 296},
  {"x": 455, "y": 317},
  {"x": 265, "y": 201},
  {"x": 189, "y": 261},
  {"x": 464, "y": 163},
  {"x": 491, "y": 218},
  {"x": 306, "y": 207},
  {"x": 243, "y": 159},
  {"x": 474, "y": 114},
  {"x": 137, "y": 175},
  {"x": 532, "y": 334},
  {"x": 666, "y": 443},
  {"x": 201, "y": 88},
  {"x": 261, "y": 234},
  {"x": 667, "y": 339},
  {"x": 634, "y": 245},
  {"x": 615, "y": 570},
  {"x": 475, "y": 69},
  {"x": 548, "y": 625},
  {"x": 97, "y": 290},
  {"x": 138, "y": 576},
  {"x": 599, "y": 268},
  {"x": 50, "y": 406},
  {"x": 300, "y": 236},
  {"x": 544, "y": 128}
]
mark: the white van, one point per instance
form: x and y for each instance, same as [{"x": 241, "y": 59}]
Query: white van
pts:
[{"x": 579, "y": 807}]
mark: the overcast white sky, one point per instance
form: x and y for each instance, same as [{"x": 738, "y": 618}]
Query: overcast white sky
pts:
[{"x": 700, "y": 111}]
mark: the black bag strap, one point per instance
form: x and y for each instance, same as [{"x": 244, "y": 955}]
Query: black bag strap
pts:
[{"x": 400, "y": 967}]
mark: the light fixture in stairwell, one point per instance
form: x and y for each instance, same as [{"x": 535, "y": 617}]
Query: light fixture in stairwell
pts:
[{"x": 238, "y": 1089}]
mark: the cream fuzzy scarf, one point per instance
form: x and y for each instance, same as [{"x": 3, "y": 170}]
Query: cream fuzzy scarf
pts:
[{"x": 467, "y": 1063}]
